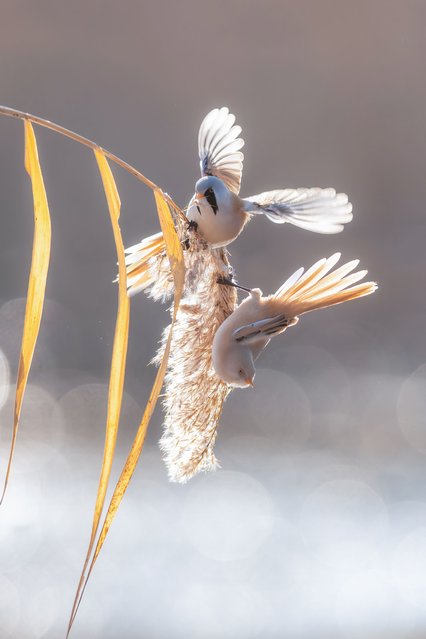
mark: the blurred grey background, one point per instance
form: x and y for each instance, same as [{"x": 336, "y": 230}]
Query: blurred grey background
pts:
[{"x": 316, "y": 526}]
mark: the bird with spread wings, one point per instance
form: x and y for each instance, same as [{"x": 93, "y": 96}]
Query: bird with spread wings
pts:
[{"x": 218, "y": 213}]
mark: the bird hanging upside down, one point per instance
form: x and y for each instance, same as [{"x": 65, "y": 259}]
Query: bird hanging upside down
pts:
[{"x": 241, "y": 338}]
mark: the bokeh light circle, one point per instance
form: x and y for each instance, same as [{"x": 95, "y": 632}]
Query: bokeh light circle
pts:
[
  {"x": 228, "y": 516},
  {"x": 9, "y": 607},
  {"x": 412, "y": 409},
  {"x": 368, "y": 605},
  {"x": 409, "y": 567},
  {"x": 4, "y": 379},
  {"x": 343, "y": 522},
  {"x": 277, "y": 408},
  {"x": 41, "y": 428},
  {"x": 220, "y": 610}
]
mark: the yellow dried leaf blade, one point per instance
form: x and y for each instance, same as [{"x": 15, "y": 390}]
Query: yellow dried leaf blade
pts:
[
  {"x": 121, "y": 335},
  {"x": 135, "y": 451},
  {"x": 175, "y": 254},
  {"x": 118, "y": 360},
  {"x": 110, "y": 187},
  {"x": 37, "y": 281},
  {"x": 172, "y": 242}
]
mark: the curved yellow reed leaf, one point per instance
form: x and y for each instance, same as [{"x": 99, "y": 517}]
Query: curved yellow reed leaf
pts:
[
  {"x": 173, "y": 246},
  {"x": 119, "y": 355},
  {"x": 121, "y": 335},
  {"x": 175, "y": 255},
  {"x": 37, "y": 281}
]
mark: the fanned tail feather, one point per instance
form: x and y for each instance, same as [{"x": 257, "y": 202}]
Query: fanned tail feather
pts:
[
  {"x": 138, "y": 259},
  {"x": 320, "y": 288}
]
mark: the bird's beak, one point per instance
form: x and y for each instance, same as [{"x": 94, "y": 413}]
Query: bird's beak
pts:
[
  {"x": 198, "y": 196},
  {"x": 249, "y": 382}
]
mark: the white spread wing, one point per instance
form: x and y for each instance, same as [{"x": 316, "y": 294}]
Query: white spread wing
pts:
[
  {"x": 314, "y": 209},
  {"x": 219, "y": 147}
]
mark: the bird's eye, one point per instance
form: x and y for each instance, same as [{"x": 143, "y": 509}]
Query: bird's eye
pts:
[{"x": 241, "y": 372}]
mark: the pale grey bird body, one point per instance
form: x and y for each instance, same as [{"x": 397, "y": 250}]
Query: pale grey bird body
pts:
[
  {"x": 241, "y": 338},
  {"x": 232, "y": 360},
  {"x": 218, "y": 211}
]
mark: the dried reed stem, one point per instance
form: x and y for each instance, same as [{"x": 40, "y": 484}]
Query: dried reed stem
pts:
[{"x": 22, "y": 115}]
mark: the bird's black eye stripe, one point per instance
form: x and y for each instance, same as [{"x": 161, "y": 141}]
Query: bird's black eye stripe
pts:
[{"x": 211, "y": 199}]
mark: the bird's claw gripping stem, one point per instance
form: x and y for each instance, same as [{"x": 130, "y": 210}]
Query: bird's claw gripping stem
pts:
[{"x": 227, "y": 281}]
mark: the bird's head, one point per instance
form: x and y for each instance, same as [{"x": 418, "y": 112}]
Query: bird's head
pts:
[
  {"x": 240, "y": 369},
  {"x": 245, "y": 379},
  {"x": 210, "y": 188}
]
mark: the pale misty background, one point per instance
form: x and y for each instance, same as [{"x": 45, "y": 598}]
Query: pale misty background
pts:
[{"x": 316, "y": 525}]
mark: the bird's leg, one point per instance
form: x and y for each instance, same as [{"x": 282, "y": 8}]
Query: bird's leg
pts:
[
  {"x": 192, "y": 225},
  {"x": 226, "y": 281}
]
